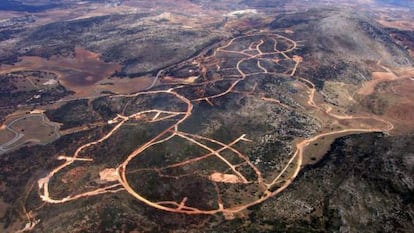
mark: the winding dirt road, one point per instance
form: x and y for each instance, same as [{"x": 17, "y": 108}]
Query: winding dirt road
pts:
[{"x": 279, "y": 182}]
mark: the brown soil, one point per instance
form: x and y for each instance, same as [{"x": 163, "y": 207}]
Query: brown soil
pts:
[
  {"x": 399, "y": 107},
  {"x": 225, "y": 178},
  {"x": 399, "y": 24},
  {"x": 377, "y": 77},
  {"x": 90, "y": 68},
  {"x": 84, "y": 69},
  {"x": 173, "y": 80},
  {"x": 108, "y": 175},
  {"x": 402, "y": 108},
  {"x": 85, "y": 73},
  {"x": 5, "y": 135},
  {"x": 73, "y": 175},
  {"x": 403, "y": 112}
]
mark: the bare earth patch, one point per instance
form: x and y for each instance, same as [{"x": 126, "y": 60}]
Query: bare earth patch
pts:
[
  {"x": 85, "y": 73},
  {"x": 225, "y": 178},
  {"x": 108, "y": 175},
  {"x": 377, "y": 77}
]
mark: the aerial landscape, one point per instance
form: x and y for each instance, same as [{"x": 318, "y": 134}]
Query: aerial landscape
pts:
[{"x": 206, "y": 116}]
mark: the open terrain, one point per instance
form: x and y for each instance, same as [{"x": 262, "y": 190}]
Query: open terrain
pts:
[
  {"x": 227, "y": 117},
  {"x": 27, "y": 128}
]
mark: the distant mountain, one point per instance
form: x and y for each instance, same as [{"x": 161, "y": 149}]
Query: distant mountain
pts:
[
  {"x": 12, "y": 5},
  {"x": 404, "y": 3}
]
